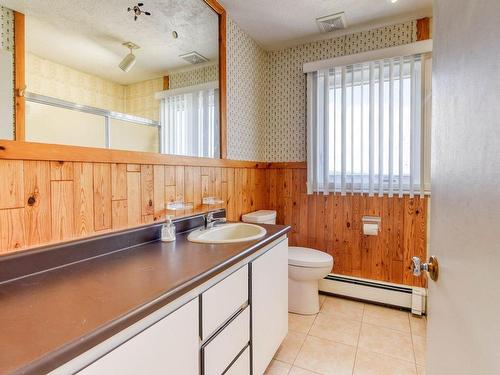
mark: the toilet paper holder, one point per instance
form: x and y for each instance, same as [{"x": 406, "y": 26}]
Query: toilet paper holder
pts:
[{"x": 374, "y": 220}]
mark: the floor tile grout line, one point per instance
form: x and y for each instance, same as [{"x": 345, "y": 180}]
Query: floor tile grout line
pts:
[
  {"x": 357, "y": 342},
  {"x": 302, "y": 368},
  {"x": 391, "y": 329},
  {"x": 412, "y": 331},
  {"x": 303, "y": 342},
  {"x": 412, "y": 343},
  {"x": 390, "y": 356}
]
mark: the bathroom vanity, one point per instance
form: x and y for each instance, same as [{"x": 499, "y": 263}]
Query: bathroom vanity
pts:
[{"x": 143, "y": 306}]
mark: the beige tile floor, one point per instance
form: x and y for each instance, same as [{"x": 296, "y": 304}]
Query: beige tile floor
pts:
[{"x": 349, "y": 337}]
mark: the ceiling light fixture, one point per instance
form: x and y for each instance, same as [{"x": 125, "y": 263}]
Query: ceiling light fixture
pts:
[
  {"x": 394, "y": 1},
  {"x": 128, "y": 61},
  {"x": 138, "y": 11}
]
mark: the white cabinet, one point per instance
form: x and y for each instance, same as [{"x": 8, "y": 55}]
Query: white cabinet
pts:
[
  {"x": 170, "y": 346},
  {"x": 242, "y": 364},
  {"x": 235, "y": 322},
  {"x": 223, "y": 300},
  {"x": 225, "y": 347},
  {"x": 269, "y": 304}
]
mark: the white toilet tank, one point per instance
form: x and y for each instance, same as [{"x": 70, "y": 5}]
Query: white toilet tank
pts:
[{"x": 260, "y": 217}]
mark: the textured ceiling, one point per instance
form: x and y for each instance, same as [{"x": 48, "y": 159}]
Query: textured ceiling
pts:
[
  {"x": 87, "y": 34},
  {"x": 280, "y": 23}
]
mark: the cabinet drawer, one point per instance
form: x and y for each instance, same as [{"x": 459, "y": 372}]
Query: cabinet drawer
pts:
[
  {"x": 223, "y": 348},
  {"x": 222, "y": 300},
  {"x": 242, "y": 365}
]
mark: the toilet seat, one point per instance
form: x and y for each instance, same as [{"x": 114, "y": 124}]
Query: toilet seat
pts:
[{"x": 305, "y": 257}]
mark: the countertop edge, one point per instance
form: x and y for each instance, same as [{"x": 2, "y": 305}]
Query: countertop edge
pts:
[{"x": 73, "y": 349}]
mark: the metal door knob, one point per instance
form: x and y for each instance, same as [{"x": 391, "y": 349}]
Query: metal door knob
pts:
[{"x": 432, "y": 266}]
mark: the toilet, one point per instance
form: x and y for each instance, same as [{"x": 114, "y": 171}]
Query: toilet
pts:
[{"x": 305, "y": 268}]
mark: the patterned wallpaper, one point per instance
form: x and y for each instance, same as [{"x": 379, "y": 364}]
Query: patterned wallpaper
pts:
[
  {"x": 266, "y": 90},
  {"x": 258, "y": 129},
  {"x": 194, "y": 76},
  {"x": 46, "y": 77},
  {"x": 7, "y": 47},
  {"x": 140, "y": 98},
  {"x": 286, "y": 123},
  {"x": 6, "y": 29},
  {"x": 49, "y": 78},
  {"x": 247, "y": 95}
]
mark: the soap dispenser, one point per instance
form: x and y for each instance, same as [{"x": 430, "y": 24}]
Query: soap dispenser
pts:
[{"x": 168, "y": 230}]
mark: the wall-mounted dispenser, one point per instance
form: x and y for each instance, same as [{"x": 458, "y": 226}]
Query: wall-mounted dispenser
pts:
[{"x": 371, "y": 225}]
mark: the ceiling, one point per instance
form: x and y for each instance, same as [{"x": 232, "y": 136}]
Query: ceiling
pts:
[
  {"x": 281, "y": 23},
  {"x": 87, "y": 34}
]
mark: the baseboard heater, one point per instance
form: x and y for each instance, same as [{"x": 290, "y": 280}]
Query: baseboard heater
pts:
[{"x": 403, "y": 296}]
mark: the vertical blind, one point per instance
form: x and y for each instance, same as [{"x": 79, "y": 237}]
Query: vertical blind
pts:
[
  {"x": 365, "y": 127},
  {"x": 190, "y": 123}
]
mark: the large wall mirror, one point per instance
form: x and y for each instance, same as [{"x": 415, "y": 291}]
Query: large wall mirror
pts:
[{"x": 114, "y": 74}]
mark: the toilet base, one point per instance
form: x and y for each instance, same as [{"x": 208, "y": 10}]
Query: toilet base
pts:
[{"x": 303, "y": 297}]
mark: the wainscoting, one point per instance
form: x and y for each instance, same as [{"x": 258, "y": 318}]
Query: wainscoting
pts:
[
  {"x": 332, "y": 223},
  {"x": 49, "y": 201},
  {"x": 44, "y": 202}
]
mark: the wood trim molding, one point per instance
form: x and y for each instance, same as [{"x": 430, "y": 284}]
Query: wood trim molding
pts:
[
  {"x": 423, "y": 29},
  {"x": 219, "y": 9},
  {"x": 214, "y": 4},
  {"x": 13, "y": 150},
  {"x": 59, "y": 152},
  {"x": 19, "y": 76},
  {"x": 222, "y": 85}
]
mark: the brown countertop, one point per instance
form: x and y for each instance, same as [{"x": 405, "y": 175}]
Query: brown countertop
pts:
[{"x": 49, "y": 318}]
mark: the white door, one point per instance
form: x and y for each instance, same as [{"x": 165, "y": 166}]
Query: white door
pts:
[
  {"x": 269, "y": 305},
  {"x": 464, "y": 303}
]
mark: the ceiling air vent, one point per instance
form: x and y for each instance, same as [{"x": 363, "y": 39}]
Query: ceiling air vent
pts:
[
  {"x": 194, "y": 58},
  {"x": 331, "y": 23}
]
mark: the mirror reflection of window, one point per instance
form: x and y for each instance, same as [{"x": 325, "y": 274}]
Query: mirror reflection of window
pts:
[
  {"x": 190, "y": 120},
  {"x": 106, "y": 87}
]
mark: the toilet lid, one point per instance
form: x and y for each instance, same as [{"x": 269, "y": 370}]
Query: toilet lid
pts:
[{"x": 305, "y": 257}]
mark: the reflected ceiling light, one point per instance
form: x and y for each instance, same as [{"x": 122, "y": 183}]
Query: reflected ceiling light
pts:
[
  {"x": 128, "y": 61},
  {"x": 394, "y": 1}
]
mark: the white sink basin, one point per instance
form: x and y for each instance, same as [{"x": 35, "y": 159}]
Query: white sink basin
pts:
[{"x": 228, "y": 233}]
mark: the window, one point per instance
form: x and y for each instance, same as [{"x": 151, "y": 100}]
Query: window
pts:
[
  {"x": 367, "y": 127},
  {"x": 190, "y": 121}
]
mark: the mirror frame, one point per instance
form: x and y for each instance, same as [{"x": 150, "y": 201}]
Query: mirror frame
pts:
[{"x": 20, "y": 149}]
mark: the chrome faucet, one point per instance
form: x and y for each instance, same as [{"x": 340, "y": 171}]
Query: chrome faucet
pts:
[{"x": 211, "y": 221}]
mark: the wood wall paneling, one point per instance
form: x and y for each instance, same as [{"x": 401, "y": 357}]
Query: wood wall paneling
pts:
[
  {"x": 61, "y": 171},
  {"x": 37, "y": 202},
  {"x": 118, "y": 181},
  {"x": 102, "y": 196},
  {"x": 332, "y": 223},
  {"x": 51, "y": 201},
  {"x": 12, "y": 229},
  {"x": 133, "y": 199},
  {"x": 62, "y": 210},
  {"x": 158, "y": 192},
  {"x": 119, "y": 214},
  {"x": 423, "y": 28},
  {"x": 147, "y": 190},
  {"x": 11, "y": 184},
  {"x": 84, "y": 198}
]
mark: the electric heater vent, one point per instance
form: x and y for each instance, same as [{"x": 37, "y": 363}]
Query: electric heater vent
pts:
[
  {"x": 194, "y": 58},
  {"x": 331, "y": 23}
]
